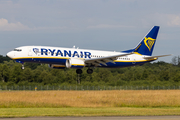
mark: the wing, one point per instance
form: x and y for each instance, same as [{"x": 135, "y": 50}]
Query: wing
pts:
[
  {"x": 104, "y": 60},
  {"x": 155, "y": 57}
]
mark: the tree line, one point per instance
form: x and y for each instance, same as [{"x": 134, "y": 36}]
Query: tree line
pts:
[{"x": 150, "y": 74}]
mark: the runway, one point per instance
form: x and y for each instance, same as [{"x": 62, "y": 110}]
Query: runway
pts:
[{"x": 99, "y": 118}]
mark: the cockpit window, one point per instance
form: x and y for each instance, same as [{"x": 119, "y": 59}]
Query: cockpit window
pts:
[{"x": 18, "y": 50}]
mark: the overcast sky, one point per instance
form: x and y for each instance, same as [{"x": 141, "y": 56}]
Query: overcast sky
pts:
[{"x": 113, "y": 25}]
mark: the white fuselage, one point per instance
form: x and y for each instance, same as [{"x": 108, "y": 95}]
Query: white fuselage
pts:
[{"x": 59, "y": 55}]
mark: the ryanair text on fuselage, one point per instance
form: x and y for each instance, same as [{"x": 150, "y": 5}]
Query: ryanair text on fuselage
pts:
[{"x": 63, "y": 53}]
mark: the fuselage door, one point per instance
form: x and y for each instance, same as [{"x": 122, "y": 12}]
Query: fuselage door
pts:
[
  {"x": 134, "y": 59},
  {"x": 38, "y": 53},
  {"x": 29, "y": 52},
  {"x": 14, "y": 53}
]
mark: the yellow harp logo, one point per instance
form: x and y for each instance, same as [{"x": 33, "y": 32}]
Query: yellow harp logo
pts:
[{"x": 149, "y": 42}]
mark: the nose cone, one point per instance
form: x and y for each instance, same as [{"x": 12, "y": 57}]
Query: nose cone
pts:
[{"x": 10, "y": 54}]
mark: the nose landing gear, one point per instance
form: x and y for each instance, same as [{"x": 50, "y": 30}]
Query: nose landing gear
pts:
[{"x": 22, "y": 67}]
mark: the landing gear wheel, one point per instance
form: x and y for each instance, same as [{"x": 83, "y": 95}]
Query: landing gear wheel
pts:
[
  {"x": 22, "y": 67},
  {"x": 79, "y": 71},
  {"x": 89, "y": 71}
]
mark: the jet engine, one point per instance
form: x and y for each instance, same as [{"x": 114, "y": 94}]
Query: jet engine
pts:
[{"x": 74, "y": 63}]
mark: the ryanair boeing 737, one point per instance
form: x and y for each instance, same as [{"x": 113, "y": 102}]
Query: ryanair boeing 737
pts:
[{"x": 59, "y": 57}]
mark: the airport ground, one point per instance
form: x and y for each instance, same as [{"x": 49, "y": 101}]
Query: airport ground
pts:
[{"x": 89, "y": 103}]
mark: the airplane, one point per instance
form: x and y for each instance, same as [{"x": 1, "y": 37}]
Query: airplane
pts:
[{"x": 60, "y": 58}]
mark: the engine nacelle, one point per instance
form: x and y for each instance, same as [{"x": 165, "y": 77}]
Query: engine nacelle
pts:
[
  {"x": 57, "y": 66},
  {"x": 75, "y": 63}
]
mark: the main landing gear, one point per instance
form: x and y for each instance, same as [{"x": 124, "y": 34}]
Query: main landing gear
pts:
[
  {"x": 89, "y": 71},
  {"x": 79, "y": 71}
]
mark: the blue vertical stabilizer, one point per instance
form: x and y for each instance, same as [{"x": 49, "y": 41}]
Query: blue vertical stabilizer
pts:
[{"x": 146, "y": 46}]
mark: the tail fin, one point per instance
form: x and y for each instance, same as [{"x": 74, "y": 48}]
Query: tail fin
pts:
[{"x": 146, "y": 46}]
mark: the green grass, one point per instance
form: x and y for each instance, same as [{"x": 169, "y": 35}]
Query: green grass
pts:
[
  {"x": 89, "y": 103},
  {"x": 90, "y": 99},
  {"x": 123, "y": 111}
]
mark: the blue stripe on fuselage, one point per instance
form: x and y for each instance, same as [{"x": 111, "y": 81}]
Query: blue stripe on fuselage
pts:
[
  {"x": 43, "y": 60},
  {"x": 63, "y": 61}
]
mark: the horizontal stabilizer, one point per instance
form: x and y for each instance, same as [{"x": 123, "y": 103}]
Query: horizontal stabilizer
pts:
[{"x": 155, "y": 57}]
